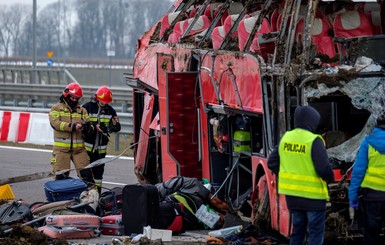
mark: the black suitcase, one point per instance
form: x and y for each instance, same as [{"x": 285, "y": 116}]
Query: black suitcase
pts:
[{"x": 140, "y": 208}]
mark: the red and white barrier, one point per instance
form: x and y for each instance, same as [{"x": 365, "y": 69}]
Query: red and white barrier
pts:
[{"x": 25, "y": 127}]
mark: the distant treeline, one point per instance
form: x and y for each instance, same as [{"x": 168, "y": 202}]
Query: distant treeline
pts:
[{"x": 78, "y": 28}]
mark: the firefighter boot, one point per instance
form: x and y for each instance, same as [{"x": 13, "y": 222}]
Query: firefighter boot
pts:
[
  {"x": 61, "y": 176},
  {"x": 87, "y": 177},
  {"x": 98, "y": 183}
]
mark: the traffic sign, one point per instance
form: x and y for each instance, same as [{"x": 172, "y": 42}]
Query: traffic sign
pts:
[
  {"x": 49, "y": 62},
  {"x": 110, "y": 53},
  {"x": 50, "y": 54}
]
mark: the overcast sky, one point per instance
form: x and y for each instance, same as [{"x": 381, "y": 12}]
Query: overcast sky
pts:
[{"x": 39, "y": 2}]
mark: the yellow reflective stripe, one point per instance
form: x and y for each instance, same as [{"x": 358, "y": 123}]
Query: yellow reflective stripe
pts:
[
  {"x": 298, "y": 177},
  {"x": 299, "y": 188},
  {"x": 68, "y": 145},
  {"x": 302, "y": 184},
  {"x": 67, "y": 140},
  {"x": 65, "y": 113},
  {"x": 62, "y": 125},
  {"x": 104, "y": 120},
  {"x": 375, "y": 170},
  {"x": 93, "y": 119},
  {"x": 54, "y": 114},
  {"x": 374, "y": 180}
]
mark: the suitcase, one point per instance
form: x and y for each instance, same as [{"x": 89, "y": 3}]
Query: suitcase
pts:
[
  {"x": 86, "y": 221},
  {"x": 66, "y": 189},
  {"x": 67, "y": 232},
  {"x": 112, "y": 225},
  {"x": 140, "y": 208}
]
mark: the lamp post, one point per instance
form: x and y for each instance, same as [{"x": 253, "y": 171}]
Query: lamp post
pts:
[
  {"x": 34, "y": 10},
  {"x": 110, "y": 54}
]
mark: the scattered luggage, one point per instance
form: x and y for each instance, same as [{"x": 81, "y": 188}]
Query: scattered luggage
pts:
[
  {"x": 140, "y": 208},
  {"x": 79, "y": 220},
  {"x": 71, "y": 226},
  {"x": 171, "y": 216},
  {"x": 66, "y": 189},
  {"x": 14, "y": 212},
  {"x": 110, "y": 202},
  {"x": 190, "y": 221},
  {"x": 67, "y": 232},
  {"x": 112, "y": 225}
]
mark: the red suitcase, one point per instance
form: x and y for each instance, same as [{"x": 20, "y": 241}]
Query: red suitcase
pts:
[
  {"x": 112, "y": 225},
  {"x": 77, "y": 220},
  {"x": 67, "y": 232}
]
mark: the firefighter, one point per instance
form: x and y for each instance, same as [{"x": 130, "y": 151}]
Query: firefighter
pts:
[
  {"x": 303, "y": 170},
  {"x": 70, "y": 121},
  {"x": 368, "y": 178},
  {"x": 104, "y": 118}
]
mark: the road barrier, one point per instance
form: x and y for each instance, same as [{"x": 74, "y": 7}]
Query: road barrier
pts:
[
  {"x": 25, "y": 127},
  {"x": 34, "y": 127}
]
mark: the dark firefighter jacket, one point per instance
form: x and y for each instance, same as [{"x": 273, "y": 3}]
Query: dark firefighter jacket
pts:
[
  {"x": 307, "y": 119},
  {"x": 105, "y": 120}
]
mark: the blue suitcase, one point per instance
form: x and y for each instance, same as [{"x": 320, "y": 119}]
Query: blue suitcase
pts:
[{"x": 66, "y": 189}]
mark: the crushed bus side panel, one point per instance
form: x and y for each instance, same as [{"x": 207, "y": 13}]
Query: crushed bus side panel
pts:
[{"x": 254, "y": 62}]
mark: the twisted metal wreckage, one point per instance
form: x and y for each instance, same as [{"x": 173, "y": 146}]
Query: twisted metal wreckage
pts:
[{"x": 218, "y": 81}]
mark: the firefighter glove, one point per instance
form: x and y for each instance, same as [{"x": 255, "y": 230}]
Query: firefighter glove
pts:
[
  {"x": 104, "y": 128},
  {"x": 87, "y": 128},
  {"x": 354, "y": 204}
]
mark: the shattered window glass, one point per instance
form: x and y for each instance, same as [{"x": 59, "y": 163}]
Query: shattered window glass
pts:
[{"x": 366, "y": 93}]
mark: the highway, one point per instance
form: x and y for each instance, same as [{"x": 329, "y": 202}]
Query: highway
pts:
[{"x": 16, "y": 161}]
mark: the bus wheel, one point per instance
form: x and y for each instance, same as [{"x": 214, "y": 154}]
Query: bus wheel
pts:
[{"x": 261, "y": 207}]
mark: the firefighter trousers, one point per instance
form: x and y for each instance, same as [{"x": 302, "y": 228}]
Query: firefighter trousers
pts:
[{"x": 61, "y": 160}]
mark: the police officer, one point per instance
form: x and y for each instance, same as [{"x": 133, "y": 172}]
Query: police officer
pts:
[
  {"x": 104, "y": 118},
  {"x": 303, "y": 169},
  {"x": 69, "y": 121},
  {"x": 368, "y": 180}
]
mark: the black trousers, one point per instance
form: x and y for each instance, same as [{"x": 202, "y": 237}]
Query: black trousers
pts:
[{"x": 374, "y": 213}]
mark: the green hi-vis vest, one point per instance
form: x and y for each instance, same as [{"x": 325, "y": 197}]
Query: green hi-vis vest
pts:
[
  {"x": 375, "y": 173},
  {"x": 297, "y": 176}
]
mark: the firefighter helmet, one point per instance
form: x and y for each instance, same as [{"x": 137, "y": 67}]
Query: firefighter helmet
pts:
[
  {"x": 73, "y": 89},
  {"x": 104, "y": 95}
]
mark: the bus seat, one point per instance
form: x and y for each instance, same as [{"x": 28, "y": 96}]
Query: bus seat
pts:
[{"x": 352, "y": 24}]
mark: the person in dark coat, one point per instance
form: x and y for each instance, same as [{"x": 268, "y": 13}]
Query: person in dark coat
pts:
[
  {"x": 302, "y": 166},
  {"x": 105, "y": 120},
  {"x": 368, "y": 180}
]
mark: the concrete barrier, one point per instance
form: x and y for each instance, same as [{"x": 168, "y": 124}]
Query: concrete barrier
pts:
[{"x": 25, "y": 127}]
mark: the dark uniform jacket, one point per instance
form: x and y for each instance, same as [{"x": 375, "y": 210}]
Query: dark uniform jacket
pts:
[{"x": 105, "y": 120}]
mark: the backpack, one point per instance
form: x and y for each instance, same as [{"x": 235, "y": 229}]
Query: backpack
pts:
[
  {"x": 111, "y": 202},
  {"x": 190, "y": 221},
  {"x": 171, "y": 216}
]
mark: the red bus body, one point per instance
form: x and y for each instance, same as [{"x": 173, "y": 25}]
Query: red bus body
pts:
[{"x": 217, "y": 113}]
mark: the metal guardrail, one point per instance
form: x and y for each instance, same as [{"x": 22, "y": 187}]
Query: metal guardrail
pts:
[{"x": 39, "y": 98}]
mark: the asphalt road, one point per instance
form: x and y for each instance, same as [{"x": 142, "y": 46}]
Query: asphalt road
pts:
[{"x": 17, "y": 161}]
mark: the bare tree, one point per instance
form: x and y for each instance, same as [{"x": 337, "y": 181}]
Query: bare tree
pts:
[
  {"x": 80, "y": 28},
  {"x": 11, "y": 18}
]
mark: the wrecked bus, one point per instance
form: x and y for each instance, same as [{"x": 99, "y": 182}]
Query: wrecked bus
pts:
[{"x": 215, "y": 84}]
